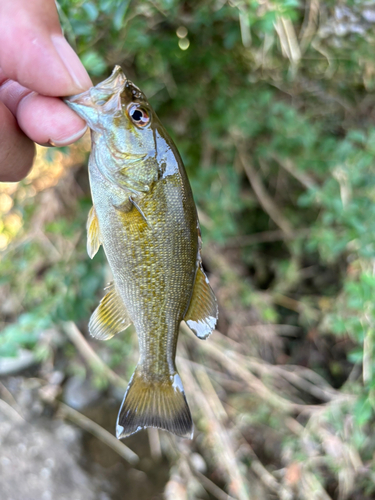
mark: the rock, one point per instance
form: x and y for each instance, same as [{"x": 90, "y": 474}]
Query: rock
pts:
[
  {"x": 23, "y": 360},
  {"x": 41, "y": 462},
  {"x": 79, "y": 393}
]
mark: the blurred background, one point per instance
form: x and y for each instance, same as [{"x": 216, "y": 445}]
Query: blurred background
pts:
[{"x": 271, "y": 104}]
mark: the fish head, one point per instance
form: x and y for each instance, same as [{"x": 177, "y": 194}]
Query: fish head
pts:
[{"x": 119, "y": 116}]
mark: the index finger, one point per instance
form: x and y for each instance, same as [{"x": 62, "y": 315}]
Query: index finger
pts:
[{"x": 34, "y": 52}]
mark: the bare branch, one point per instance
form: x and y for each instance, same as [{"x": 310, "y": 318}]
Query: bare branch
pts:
[
  {"x": 263, "y": 237},
  {"x": 264, "y": 198},
  {"x": 96, "y": 430},
  {"x": 302, "y": 177},
  {"x": 90, "y": 355}
]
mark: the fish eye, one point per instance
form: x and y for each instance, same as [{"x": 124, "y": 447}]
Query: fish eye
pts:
[{"x": 139, "y": 116}]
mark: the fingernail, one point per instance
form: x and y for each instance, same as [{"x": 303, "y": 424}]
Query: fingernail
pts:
[
  {"x": 72, "y": 63},
  {"x": 68, "y": 140}
]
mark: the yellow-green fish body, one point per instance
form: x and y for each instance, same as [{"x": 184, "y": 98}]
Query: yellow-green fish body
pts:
[{"x": 145, "y": 217}]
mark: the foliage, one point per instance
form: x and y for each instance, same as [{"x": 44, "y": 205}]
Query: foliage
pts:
[{"x": 270, "y": 94}]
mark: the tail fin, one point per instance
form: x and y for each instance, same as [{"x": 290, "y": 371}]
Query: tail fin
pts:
[{"x": 153, "y": 402}]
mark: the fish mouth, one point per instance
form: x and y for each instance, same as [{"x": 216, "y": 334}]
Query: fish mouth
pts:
[{"x": 103, "y": 98}]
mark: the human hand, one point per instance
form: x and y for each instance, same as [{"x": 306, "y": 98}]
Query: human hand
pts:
[{"x": 36, "y": 66}]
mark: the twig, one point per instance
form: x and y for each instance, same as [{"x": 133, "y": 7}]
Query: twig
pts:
[
  {"x": 99, "y": 432},
  {"x": 244, "y": 27},
  {"x": 288, "y": 39},
  {"x": 294, "y": 426},
  {"x": 154, "y": 441},
  {"x": 264, "y": 198},
  {"x": 264, "y": 475},
  {"x": 90, "y": 355},
  {"x": 289, "y": 303},
  {"x": 254, "y": 239},
  {"x": 7, "y": 396},
  {"x": 287, "y": 330},
  {"x": 208, "y": 401},
  {"x": 263, "y": 237},
  {"x": 302, "y": 177},
  {"x": 312, "y": 487},
  {"x": 318, "y": 392},
  {"x": 222, "y": 378},
  {"x": 25, "y": 359},
  {"x": 368, "y": 347},
  {"x": 10, "y": 412},
  {"x": 229, "y": 360},
  {"x": 210, "y": 486},
  {"x": 306, "y": 379},
  {"x": 310, "y": 24},
  {"x": 205, "y": 219},
  {"x": 279, "y": 372}
]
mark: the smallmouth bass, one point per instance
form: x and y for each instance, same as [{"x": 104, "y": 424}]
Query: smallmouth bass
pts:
[{"x": 144, "y": 216}]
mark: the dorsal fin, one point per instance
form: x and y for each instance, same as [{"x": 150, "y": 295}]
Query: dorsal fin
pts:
[
  {"x": 202, "y": 313},
  {"x": 110, "y": 317},
  {"x": 93, "y": 233}
]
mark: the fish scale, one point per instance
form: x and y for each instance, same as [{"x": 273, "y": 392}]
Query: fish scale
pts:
[{"x": 145, "y": 218}]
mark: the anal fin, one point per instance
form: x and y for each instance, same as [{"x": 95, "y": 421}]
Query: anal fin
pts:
[
  {"x": 110, "y": 317},
  {"x": 93, "y": 233},
  {"x": 202, "y": 313}
]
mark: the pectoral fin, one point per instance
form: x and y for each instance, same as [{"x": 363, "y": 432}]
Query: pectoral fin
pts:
[
  {"x": 128, "y": 205},
  {"x": 135, "y": 204},
  {"x": 93, "y": 233},
  {"x": 202, "y": 314},
  {"x": 110, "y": 317}
]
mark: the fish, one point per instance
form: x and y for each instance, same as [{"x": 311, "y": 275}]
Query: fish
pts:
[{"x": 145, "y": 218}]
